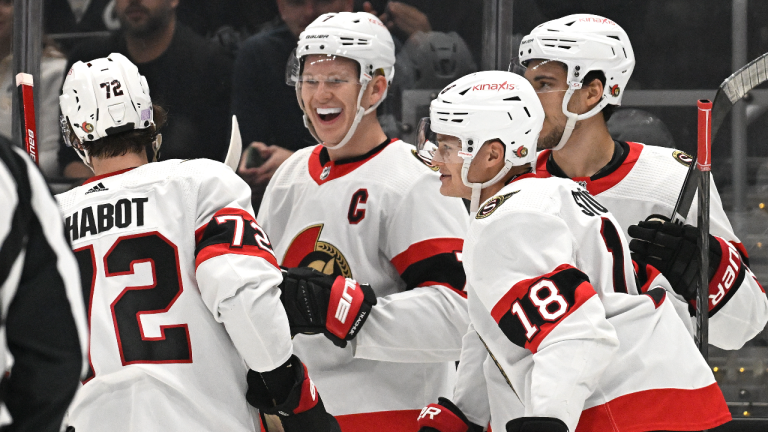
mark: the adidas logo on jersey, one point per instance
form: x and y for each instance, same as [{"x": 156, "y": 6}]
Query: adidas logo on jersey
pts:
[{"x": 98, "y": 188}]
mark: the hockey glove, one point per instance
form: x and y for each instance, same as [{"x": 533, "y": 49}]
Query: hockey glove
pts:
[
  {"x": 287, "y": 396},
  {"x": 319, "y": 303},
  {"x": 536, "y": 424},
  {"x": 673, "y": 250},
  {"x": 444, "y": 416}
]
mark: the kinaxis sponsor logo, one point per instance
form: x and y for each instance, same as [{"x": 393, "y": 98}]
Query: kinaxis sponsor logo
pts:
[{"x": 498, "y": 87}]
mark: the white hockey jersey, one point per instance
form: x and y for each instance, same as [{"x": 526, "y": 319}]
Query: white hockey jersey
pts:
[
  {"x": 182, "y": 287},
  {"x": 647, "y": 180},
  {"x": 553, "y": 296},
  {"x": 378, "y": 218}
]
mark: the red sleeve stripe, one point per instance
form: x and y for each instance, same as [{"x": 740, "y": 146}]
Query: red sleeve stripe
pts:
[
  {"x": 443, "y": 284},
  {"x": 524, "y": 323},
  {"x": 224, "y": 249},
  {"x": 425, "y": 249},
  {"x": 232, "y": 231}
]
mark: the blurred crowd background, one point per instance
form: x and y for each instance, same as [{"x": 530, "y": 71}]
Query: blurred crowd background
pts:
[{"x": 205, "y": 60}]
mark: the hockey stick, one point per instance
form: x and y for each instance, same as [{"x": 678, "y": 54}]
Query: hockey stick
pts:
[
  {"x": 24, "y": 85},
  {"x": 730, "y": 91},
  {"x": 703, "y": 166},
  {"x": 235, "y": 146}
]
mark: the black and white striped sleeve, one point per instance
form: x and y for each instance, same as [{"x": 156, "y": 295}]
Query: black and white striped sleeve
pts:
[{"x": 45, "y": 328}]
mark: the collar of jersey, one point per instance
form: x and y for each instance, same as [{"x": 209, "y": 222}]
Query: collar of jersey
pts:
[
  {"x": 320, "y": 161},
  {"x": 606, "y": 178},
  {"x": 103, "y": 176}
]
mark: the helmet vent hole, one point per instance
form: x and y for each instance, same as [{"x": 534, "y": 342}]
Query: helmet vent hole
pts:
[
  {"x": 356, "y": 21},
  {"x": 77, "y": 99},
  {"x": 465, "y": 91},
  {"x": 510, "y": 117},
  {"x": 526, "y": 111},
  {"x": 625, "y": 53},
  {"x": 613, "y": 51},
  {"x": 563, "y": 47},
  {"x": 89, "y": 65},
  {"x": 457, "y": 120},
  {"x": 614, "y": 37},
  {"x": 513, "y": 98},
  {"x": 570, "y": 23},
  {"x": 527, "y": 132}
]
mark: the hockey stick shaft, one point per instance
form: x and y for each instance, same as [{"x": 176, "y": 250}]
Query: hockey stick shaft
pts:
[
  {"x": 25, "y": 88},
  {"x": 703, "y": 166}
]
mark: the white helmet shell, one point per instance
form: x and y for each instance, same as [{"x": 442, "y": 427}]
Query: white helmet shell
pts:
[
  {"x": 486, "y": 106},
  {"x": 359, "y": 36},
  {"x": 584, "y": 43},
  {"x": 105, "y": 96}
]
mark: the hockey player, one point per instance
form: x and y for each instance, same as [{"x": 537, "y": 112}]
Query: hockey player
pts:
[
  {"x": 572, "y": 343},
  {"x": 579, "y": 89},
  {"x": 359, "y": 206},
  {"x": 181, "y": 282}
]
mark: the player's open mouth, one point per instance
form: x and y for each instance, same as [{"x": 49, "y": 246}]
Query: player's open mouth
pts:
[{"x": 328, "y": 114}]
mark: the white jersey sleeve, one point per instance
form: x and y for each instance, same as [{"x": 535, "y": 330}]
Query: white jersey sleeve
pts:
[
  {"x": 471, "y": 392},
  {"x": 237, "y": 272},
  {"x": 423, "y": 241},
  {"x": 738, "y": 306},
  {"x": 545, "y": 306}
]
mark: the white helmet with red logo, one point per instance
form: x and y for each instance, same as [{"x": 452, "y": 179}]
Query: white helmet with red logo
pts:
[
  {"x": 358, "y": 36},
  {"x": 484, "y": 106},
  {"x": 584, "y": 43},
  {"x": 105, "y": 96}
]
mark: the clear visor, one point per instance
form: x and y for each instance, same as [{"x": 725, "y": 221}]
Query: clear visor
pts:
[
  {"x": 542, "y": 83},
  {"x": 438, "y": 148},
  {"x": 314, "y": 71}
]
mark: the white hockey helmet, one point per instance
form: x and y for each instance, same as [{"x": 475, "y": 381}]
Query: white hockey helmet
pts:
[
  {"x": 484, "y": 106},
  {"x": 358, "y": 36},
  {"x": 583, "y": 43},
  {"x": 105, "y": 96}
]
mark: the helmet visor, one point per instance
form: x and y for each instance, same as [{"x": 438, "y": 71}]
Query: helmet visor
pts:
[
  {"x": 544, "y": 83},
  {"x": 314, "y": 69},
  {"x": 439, "y": 148}
]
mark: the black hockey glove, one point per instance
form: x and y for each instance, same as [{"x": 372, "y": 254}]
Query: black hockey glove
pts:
[
  {"x": 319, "y": 303},
  {"x": 536, "y": 424},
  {"x": 287, "y": 396},
  {"x": 673, "y": 250},
  {"x": 444, "y": 416}
]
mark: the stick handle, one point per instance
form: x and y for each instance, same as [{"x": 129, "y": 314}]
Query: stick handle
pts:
[
  {"x": 704, "y": 153},
  {"x": 27, "y": 105},
  {"x": 704, "y": 165}
]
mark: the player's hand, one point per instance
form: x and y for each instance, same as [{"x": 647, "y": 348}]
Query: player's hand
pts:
[
  {"x": 536, "y": 424},
  {"x": 673, "y": 250},
  {"x": 444, "y": 416},
  {"x": 319, "y": 303},
  {"x": 250, "y": 175}
]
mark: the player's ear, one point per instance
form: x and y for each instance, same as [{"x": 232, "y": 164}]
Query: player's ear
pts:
[
  {"x": 594, "y": 92},
  {"x": 376, "y": 90}
]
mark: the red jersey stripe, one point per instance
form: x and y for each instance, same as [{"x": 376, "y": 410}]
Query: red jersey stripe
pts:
[
  {"x": 425, "y": 249},
  {"x": 649, "y": 410},
  {"x": 383, "y": 421}
]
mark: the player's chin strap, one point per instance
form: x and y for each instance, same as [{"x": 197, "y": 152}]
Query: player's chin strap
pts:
[
  {"x": 156, "y": 146},
  {"x": 570, "y": 125},
  {"x": 474, "y": 203},
  {"x": 361, "y": 112},
  {"x": 84, "y": 156}
]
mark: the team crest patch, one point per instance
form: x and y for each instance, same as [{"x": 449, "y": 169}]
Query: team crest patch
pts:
[
  {"x": 521, "y": 152},
  {"x": 684, "y": 158},
  {"x": 306, "y": 250},
  {"x": 326, "y": 172},
  {"x": 615, "y": 90},
  {"x": 424, "y": 160},
  {"x": 493, "y": 204},
  {"x": 87, "y": 127}
]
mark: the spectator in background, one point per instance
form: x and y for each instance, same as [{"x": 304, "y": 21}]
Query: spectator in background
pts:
[
  {"x": 188, "y": 75},
  {"x": 52, "y": 69},
  {"x": 266, "y": 107},
  {"x": 78, "y": 16},
  {"x": 410, "y": 16}
]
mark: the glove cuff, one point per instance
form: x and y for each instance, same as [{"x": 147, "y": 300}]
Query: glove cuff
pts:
[
  {"x": 444, "y": 416},
  {"x": 536, "y": 424},
  {"x": 728, "y": 274},
  {"x": 348, "y": 308}
]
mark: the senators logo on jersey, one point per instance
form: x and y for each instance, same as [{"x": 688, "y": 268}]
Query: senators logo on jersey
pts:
[
  {"x": 684, "y": 158},
  {"x": 493, "y": 204},
  {"x": 306, "y": 250}
]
